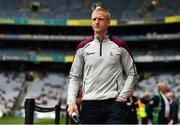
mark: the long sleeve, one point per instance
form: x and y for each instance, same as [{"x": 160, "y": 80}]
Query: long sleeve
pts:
[
  {"x": 153, "y": 103},
  {"x": 130, "y": 72},
  {"x": 174, "y": 111},
  {"x": 75, "y": 75}
]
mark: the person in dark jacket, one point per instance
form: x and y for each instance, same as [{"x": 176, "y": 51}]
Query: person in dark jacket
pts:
[
  {"x": 174, "y": 108},
  {"x": 159, "y": 107},
  {"x": 143, "y": 113},
  {"x": 132, "y": 105}
]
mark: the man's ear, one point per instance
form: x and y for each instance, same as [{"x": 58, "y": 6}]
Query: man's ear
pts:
[{"x": 109, "y": 21}]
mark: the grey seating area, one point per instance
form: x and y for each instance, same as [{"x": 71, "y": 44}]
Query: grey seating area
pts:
[
  {"x": 150, "y": 84},
  {"x": 81, "y": 9},
  {"x": 47, "y": 88}
]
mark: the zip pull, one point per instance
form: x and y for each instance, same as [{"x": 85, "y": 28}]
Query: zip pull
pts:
[
  {"x": 100, "y": 41},
  {"x": 100, "y": 48}
]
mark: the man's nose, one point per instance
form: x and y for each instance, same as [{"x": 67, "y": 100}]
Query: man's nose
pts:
[{"x": 97, "y": 21}]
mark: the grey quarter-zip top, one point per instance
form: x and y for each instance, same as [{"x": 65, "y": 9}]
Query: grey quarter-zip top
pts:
[{"x": 105, "y": 68}]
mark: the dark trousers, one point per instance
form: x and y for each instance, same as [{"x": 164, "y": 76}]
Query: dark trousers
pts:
[
  {"x": 144, "y": 121},
  {"x": 163, "y": 120},
  {"x": 103, "y": 112}
]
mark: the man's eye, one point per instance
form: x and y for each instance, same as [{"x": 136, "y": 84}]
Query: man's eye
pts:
[{"x": 101, "y": 19}]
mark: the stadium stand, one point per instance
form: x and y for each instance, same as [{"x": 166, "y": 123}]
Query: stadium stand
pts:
[
  {"x": 48, "y": 89},
  {"x": 10, "y": 87},
  {"x": 47, "y": 50},
  {"x": 70, "y": 9},
  {"x": 150, "y": 84}
]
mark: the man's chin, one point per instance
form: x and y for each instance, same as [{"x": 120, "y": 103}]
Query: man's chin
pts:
[{"x": 98, "y": 31}]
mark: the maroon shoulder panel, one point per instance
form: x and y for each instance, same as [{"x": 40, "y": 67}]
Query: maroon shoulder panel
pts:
[
  {"x": 120, "y": 43},
  {"x": 85, "y": 42}
]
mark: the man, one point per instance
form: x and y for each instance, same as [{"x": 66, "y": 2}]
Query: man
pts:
[
  {"x": 159, "y": 107},
  {"x": 106, "y": 68},
  {"x": 174, "y": 108},
  {"x": 132, "y": 106},
  {"x": 142, "y": 109}
]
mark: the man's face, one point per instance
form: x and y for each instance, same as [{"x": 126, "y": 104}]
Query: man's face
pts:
[
  {"x": 164, "y": 88},
  {"x": 100, "y": 22}
]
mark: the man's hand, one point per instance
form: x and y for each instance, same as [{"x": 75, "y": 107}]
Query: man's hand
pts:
[
  {"x": 171, "y": 122},
  {"x": 72, "y": 108},
  {"x": 119, "y": 99}
]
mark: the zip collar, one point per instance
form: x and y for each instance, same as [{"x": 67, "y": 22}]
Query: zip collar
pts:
[{"x": 105, "y": 39}]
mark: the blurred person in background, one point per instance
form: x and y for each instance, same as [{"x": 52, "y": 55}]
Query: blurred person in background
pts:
[
  {"x": 142, "y": 108},
  {"x": 132, "y": 105},
  {"x": 106, "y": 68},
  {"x": 174, "y": 108},
  {"x": 159, "y": 106}
]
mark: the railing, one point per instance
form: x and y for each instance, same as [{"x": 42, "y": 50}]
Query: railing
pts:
[{"x": 30, "y": 107}]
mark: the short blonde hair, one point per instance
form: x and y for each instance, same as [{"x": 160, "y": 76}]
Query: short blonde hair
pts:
[{"x": 99, "y": 8}]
